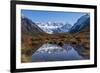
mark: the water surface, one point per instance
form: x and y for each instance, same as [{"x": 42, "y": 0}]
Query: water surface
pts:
[{"x": 53, "y": 52}]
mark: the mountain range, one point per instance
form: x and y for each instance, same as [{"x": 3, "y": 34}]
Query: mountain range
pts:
[
  {"x": 52, "y": 27},
  {"x": 28, "y": 26}
]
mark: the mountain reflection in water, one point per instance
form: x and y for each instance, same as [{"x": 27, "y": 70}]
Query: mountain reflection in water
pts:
[{"x": 53, "y": 52}]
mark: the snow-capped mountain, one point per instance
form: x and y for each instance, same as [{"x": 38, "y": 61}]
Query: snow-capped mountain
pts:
[
  {"x": 65, "y": 28},
  {"x": 82, "y": 23},
  {"x": 52, "y": 27},
  {"x": 51, "y": 24}
]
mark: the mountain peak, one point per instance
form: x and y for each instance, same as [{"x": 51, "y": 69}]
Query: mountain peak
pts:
[
  {"x": 81, "y": 23},
  {"x": 28, "y": 26}
]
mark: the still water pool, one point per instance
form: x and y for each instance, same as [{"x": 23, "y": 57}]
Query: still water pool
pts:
[{"x": 53, "y": 52}]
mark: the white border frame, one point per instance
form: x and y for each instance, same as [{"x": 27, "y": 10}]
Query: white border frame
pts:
[{"x": 58, "y": 63}]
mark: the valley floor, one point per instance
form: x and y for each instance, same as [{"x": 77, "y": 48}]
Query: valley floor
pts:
[{"x": 30, "y": 44}]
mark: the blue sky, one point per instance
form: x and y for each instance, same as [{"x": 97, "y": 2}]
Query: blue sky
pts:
[{"x": 52, "y": 16}]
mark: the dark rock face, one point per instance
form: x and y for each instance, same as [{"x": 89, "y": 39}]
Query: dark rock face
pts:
[
  {"x": 83, "y": 24},
  {"x": 27, "y": 26}
]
